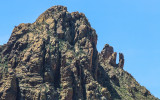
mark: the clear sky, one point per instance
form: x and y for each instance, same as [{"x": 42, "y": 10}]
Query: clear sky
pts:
[{"x": 130, "y": 26}]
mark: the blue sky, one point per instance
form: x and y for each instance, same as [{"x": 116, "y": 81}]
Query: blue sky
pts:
[{"x": 130, "y": 26}]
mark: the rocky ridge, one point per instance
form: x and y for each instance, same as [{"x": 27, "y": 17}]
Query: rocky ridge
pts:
[{"x": 56, "y": 58}]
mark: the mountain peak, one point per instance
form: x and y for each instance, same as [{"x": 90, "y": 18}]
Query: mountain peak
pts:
[
  {"x": 55, "y": 10},
  {"x": 56, "y": 58}
]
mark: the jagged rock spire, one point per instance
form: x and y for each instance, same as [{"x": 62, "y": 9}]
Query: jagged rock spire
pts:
[
  {"x": 107, "y": 51},
  {"x": 121, "y": 60},
  {"x": 110, "y": 56}
]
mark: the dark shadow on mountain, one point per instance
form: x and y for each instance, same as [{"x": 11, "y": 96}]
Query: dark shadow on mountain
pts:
[{"x": 104, "y": 80}]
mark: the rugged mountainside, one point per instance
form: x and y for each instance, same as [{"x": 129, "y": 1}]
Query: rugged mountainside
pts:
[{"x": 55, "y": 58}]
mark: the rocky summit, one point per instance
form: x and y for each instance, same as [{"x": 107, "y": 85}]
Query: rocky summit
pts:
[{"x": 55, "y": 58}]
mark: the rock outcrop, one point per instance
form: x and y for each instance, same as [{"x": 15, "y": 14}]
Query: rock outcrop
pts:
[
  {"x": 121, "y": 60},
  {"x": 55, "y": 58}
]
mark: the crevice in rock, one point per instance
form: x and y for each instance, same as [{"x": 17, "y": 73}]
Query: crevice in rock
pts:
[
  {"x": 94, "y": 63},
  {"x": 83, "y": 84},
  {"x": 18, "y": 90},
  {"x": 44, "y": 63},
  {"x": 72, "y": 27},
  {"x": 74, "y": 84},
  {"x": 55, "y": 29},
  {"x": 57, "y": 74},
  {"x": 77, "y": 65}
]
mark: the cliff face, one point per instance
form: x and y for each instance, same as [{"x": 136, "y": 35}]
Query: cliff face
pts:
[{"x": 56, "y": 58}]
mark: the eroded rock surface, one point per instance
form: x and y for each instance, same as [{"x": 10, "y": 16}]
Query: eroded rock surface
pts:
[{"x": 55, "y": 58}]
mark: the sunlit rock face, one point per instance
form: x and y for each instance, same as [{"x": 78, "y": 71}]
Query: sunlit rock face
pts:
[{"x": 55, "y": 58}]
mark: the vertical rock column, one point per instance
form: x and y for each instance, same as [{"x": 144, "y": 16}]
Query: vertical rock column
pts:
[
  {"x": 109, "y": 55},
  {"x": 121, "y": 60}
]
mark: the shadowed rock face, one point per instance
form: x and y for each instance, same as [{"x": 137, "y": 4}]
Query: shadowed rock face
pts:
[{"x": 56, "y": 58}]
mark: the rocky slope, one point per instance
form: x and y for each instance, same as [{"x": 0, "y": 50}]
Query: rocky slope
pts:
[{"x": 55, "y": 58}]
